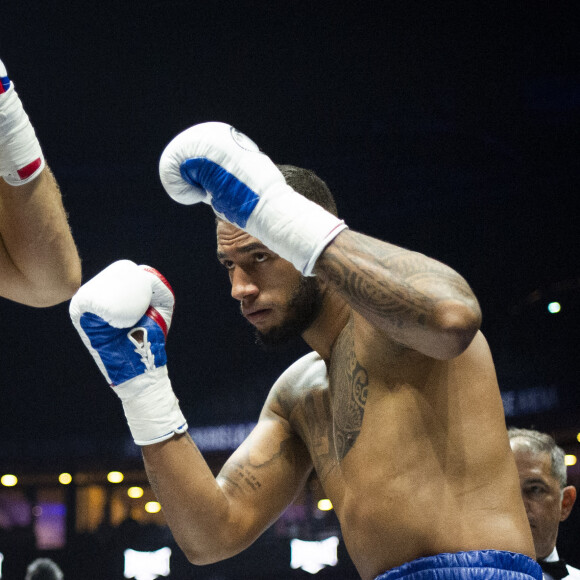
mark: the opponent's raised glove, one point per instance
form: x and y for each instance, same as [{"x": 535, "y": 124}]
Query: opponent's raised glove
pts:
[
  {"x": 123, "y": 315},
  {"x": 216, "y": 164},
  {"x": 21, "y": 158}
]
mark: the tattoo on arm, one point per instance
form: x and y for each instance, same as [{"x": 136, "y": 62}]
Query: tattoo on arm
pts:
[
  {"x": 239, "y": 476},
  {"x": 243, "y": 474},
  {"x": 387, "y": 280}
]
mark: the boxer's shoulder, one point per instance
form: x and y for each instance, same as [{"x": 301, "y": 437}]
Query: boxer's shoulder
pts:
[
  {"x": 306, "y": 376},
  {"x": 307, "y": 372}
]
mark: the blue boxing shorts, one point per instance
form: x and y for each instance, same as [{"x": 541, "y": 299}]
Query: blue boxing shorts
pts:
[{"x": 476, "y": 565}]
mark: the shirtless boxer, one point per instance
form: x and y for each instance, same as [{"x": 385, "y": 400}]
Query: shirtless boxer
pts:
[
  {"x": 397, "y": 408},
  {"x": 39, "y": 263}
]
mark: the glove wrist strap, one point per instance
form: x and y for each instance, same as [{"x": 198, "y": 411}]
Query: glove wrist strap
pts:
[
  {"x": 21, "y": 158},
  {"x": 151, "y": 407},
  {"x": 294, "y": 227}
]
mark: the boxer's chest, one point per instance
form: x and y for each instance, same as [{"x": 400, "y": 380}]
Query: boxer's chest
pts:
[
  {"x": 329, "y": 416},
  {"x": 348, "y": 392}
]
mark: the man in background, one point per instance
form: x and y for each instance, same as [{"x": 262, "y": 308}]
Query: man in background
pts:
[{"x": 547, "y": 498}]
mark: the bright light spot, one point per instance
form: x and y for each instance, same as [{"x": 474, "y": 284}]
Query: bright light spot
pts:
[
  {"x": 578, "y": 437},
  {"x": 554, "y": 307},
  {"x": 9, "y": 480},
  {"x": 324, "y": 505},
  {"x": 152, "y": 507},
  {"x": 147, "y": 565},
  {"x": 313, "y": 556},
  {"x": 135, "y": 492},
  {"x": 115, "y": 477},
  {"x": 570, "y": 460},
  {"x": 65, "y": 478}
]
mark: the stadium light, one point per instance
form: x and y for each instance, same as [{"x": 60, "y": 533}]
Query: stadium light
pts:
[
  {"x": 8, "y": 480},
  {"x": 135, "y": 492},
  {"x": 115, "y": 477}
]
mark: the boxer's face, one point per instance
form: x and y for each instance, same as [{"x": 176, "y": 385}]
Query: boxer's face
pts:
[
  {"x": 274, "y": 297},
  {"x": 542, "y": 497}
]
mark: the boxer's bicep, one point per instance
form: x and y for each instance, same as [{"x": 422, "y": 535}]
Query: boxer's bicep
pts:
[
  {"x": 264, "y": 476},
  {"x": 216, "y": 518}
]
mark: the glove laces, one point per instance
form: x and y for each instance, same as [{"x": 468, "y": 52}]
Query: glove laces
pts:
[{"x": 143, "y": 347}]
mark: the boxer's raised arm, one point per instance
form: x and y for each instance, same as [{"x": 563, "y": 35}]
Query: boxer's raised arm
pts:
[
  {"x": 39, "y": 263},
  {"x": 418, "y": 301}
]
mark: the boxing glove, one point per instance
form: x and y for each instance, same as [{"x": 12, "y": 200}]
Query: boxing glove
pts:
[
  {"x": 123, "y": 316},
  {"x": 21, "y": 158},
  {"x": 216, "y": 164}
]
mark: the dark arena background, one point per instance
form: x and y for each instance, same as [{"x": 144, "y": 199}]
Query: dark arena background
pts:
[{"x": 447, "y": 128}]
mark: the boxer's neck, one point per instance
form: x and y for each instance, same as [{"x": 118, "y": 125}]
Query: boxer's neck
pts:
[{"x": 321, "y": 335}]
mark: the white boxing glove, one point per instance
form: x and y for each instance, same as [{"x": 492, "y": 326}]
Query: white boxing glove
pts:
[
  {"x": 216, "y": 164},
  {"x": 123, "y": 315},
  {"x": 21, "y": 158}
]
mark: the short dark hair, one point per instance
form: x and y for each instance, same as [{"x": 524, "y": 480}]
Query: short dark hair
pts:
[{"x": 308, "y": 184}]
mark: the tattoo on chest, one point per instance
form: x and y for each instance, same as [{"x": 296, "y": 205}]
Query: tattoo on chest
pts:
[
  {"x": 317, "y": 428},
  {"x": 349, "y": 384},
  {"x": 329, "y": 416}
]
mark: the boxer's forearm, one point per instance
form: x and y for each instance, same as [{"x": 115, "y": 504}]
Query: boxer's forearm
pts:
[
  {"x": 39, "y": 262},
  {"x": 417, "y": 301}
]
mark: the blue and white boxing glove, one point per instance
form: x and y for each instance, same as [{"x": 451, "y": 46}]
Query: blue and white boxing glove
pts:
[
  {"x": 123, "y": 315},
  {"x": 216, "y": 164},
  {"x": 21, "y": 158}
]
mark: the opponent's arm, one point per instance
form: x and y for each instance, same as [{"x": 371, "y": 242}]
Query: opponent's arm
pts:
[
  {"x": 416, "y": 300},
  {"x": 39, "y": 263},
  {"x": 123, "y": 316}
]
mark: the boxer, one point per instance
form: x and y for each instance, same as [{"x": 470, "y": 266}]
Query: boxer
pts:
[{"x": 397, "y": 407}]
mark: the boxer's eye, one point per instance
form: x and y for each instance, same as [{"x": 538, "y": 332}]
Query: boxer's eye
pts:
[{"x": 260, "y": 257}]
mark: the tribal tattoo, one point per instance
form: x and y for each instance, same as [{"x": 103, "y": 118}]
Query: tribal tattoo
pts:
[
  {"x": 355, "y": 271},
  {"x": 349, "y": 384}
]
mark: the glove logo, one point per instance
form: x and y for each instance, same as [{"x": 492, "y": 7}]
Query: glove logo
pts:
[{"x": 243, "y": 141}]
